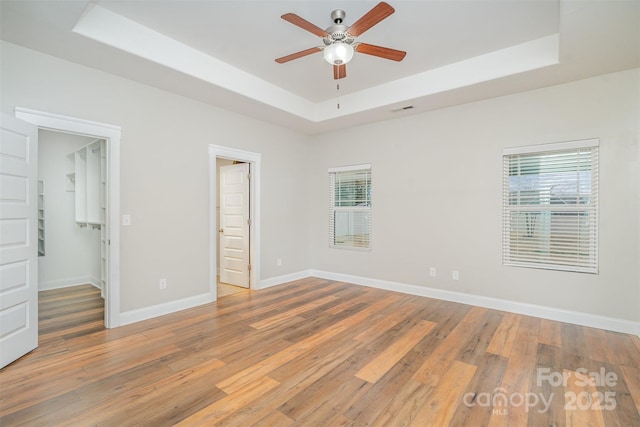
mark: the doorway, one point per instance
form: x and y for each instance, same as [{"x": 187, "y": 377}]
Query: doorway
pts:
[
  {"x": 72, "y": 227},
  {"x": 233, "y": 224},
  {"x": 111, "y": 136},
  {"x": 233, "y": 249}
]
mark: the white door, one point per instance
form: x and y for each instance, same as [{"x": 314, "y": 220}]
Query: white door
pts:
[
  {"x": 234, "y": 224},
  {"x": 18, "y": 239}
]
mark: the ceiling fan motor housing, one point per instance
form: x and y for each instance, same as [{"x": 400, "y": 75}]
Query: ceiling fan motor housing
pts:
[{"x": 337, "y": 33}]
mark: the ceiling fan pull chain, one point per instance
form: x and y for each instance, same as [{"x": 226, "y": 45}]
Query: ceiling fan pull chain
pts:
[{"x": 338, "y": 89}]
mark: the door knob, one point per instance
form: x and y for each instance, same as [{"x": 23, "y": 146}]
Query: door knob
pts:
[{"x": 221, "y": 231}]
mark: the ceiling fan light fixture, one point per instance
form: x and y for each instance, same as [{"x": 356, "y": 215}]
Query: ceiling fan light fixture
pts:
[{"x": 338, "y": 53}]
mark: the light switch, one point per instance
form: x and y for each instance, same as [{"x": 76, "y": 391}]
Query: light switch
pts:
[{"x": 126, "y": 219}]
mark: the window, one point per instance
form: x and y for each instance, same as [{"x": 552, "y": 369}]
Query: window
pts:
[
  {"x": 550, "y": 206},
  {"x": 350, "y": 207}
]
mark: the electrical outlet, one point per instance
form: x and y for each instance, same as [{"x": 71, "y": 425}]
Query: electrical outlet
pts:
[
  {"x": 455, "y": 275},
  {"x": 162, "y": 284},
  {"x": 432, "y": 272},
  {"x": 279, "y": 262},
  {"x": 126, "y": 220}
]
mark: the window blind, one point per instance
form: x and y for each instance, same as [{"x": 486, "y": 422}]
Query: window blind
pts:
[
  {"x": 350, "y": 207},
  {"x": 550, "y": 206}
]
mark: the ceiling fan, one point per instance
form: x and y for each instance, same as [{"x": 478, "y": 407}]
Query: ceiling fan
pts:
[{"x": 340, "y": 41}]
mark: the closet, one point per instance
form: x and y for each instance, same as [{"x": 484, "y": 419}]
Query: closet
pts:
[
  {"x": 86, "y": 168},
  {"x": 72, "y": 211}
]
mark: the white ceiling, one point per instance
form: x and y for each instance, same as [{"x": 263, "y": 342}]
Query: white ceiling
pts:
[{"x": 222, "y": 52}]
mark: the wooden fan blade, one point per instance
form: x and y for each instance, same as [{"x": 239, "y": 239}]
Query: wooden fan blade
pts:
[
  {"x": 304, "y": 24},
  {"x": 340, "y": 71},
  {"x": 382, "y": 52},
  {"x": 371, "y": 18},
  {"x": 298, "y": 55}
]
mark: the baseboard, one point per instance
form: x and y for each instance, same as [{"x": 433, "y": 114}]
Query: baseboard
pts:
[
  {"x": 574, "y": 317},
  {"x": 279, "y": 280},
  {"x": 95, "y": 281},
  {"x": 141, "y": 314},
  {"x": 67, "y": 283}
]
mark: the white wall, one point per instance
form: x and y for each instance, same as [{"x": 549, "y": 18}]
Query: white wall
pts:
[
  {"x": 72, "y": 254},
  {"x": 436, "y": 181},
  {"x": 165, "y": 171}
]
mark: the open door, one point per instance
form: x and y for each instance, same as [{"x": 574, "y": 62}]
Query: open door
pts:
[
  {"x": 234, "y": 225},
  {"x": 18, "y": 239}
]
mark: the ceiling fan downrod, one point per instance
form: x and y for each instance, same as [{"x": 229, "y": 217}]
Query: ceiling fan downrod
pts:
[{"x": 337, "y": 16}]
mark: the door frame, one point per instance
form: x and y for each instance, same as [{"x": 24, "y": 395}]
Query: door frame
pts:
[
  {"x": 254, "y": 160},
  {"x": 111, "y": 134}
]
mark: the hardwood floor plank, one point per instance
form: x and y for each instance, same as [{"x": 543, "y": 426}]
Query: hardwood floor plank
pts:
[
  {"x": 631, "y": 376},
  {"x": 319, "y": 321},
  {"x": 613, "y": 389},
  {"x": 519, "y": 375},
  {"x": 445, "y": 314},
  {"x": 231, "y": 403},
  {"x": 573, "y": 347},
  {"x": 623, "y": 348},
  {"x": 595, "y": 340},
  {"x": 345, "y": 296},
  {"x": 443, "y": 356},
  {"x": 505, "y": 336},
  {"x": 404, "y": 406},
  {"x": 280, "y": 301},
  {"x": 381, "y": 327},
  {"x": 375, "y": 369},
  {"x": 314, "y": 352},
  {"x": 377, "y": 400},
  {"x": 476, "y": 346},
  {"x": 86, "y": 327},
  {"x": 447, "y": 396},
  {"x": 286, "y": 315},
  {"x": 581, "y": 412},
  {"x": 327, "y": 397},
  {"x": 547, "y": 409},
  {"x": 550, "y": 333},
  {"x": 476, "y": 404},
  {"x": 43, "y": 413},
  {"x": 273, "y": 418},
  {"x": 19, "y": 395}
]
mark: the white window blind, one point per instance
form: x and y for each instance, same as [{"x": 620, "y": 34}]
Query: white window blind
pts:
[
  {"x": 350, "y": 207},
  {"x": 550, "y": 206}
]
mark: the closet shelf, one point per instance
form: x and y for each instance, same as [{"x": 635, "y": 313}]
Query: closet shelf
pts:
[
  {"x": 85, "y": 176},
  {"x": 41, "y": 194}
]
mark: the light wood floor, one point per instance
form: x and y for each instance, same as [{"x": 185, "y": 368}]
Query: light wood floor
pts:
[
  {"x": 225, "y": 289},
  {"x": 320, "y": 353}
]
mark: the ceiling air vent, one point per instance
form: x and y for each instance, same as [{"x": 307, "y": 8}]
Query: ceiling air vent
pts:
[{"x": 397, "y": 110}]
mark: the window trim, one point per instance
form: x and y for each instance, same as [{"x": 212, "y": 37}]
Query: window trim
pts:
[
  {"x": 556, "y": 146},
  {"x": 332, "y": 208},
  {"x": 592, "y": 207}
]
